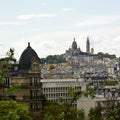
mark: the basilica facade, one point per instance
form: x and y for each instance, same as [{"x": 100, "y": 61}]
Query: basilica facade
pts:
[{"x": 75, "y": 55}]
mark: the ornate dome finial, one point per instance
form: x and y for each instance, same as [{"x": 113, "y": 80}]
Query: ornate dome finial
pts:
[{"x": 28, "y": 44}]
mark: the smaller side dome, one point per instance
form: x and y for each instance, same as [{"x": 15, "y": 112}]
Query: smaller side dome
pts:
[{"x": 74, "y": 44}]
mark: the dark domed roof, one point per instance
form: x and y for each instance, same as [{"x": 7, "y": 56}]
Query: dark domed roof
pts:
[
  {"x": 26, "y": 57},
  {"x": 74, "y": 44}
]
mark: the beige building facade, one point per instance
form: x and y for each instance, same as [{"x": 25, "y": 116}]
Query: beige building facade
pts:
[{"x": 26, "y": 74}]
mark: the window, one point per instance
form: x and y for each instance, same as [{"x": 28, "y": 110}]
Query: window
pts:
[
  {"x": 31, "y": 106},
  {"x": 31, "y": 94},
  {"x": 35, "y": 81},
  {"x": 35, "y": 66},
  {"x": 34, "y": 106},
  {"x": 31, "y": 81},
  {"x": 7, "y": 81},
  {"x": 34, "y": 94}
]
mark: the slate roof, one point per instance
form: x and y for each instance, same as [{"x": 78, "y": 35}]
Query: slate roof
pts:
[
  {"x": 84, "y": 53},
  {"x": 26, "y": 57}
]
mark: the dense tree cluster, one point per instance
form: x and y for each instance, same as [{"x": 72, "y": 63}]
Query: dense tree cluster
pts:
[
  {"x": 59, "y": 112},
  {"x": 53, "y": 59},
  {"x": 10, "y": 110},
  {"x": 108, "y": 112},
  {"x": 105, "y": 55},
  {"x": 109, "y": 83},
  {"x": 95, "y": 113}
]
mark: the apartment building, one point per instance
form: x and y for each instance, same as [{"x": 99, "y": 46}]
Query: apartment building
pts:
[
  {"x": 54, "y": 89},
  {"x": 26, "y": 73}
]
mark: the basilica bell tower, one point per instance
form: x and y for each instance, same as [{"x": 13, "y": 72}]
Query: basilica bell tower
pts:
[{"x": 88, "y": 45}]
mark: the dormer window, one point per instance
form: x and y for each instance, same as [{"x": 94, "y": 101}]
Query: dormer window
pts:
[{"x": 35, "y": 66}]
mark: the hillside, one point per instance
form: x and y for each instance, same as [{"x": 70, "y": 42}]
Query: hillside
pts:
[{"x": 53, "y": 59}]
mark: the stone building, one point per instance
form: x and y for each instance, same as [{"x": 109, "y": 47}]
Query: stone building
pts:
[{"x": 26, "y": 73}]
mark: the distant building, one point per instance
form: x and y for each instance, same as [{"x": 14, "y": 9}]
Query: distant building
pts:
[
  {"x": 75, "y": 55},
  {"x": 105, "y": 96},
  {"x": 92, "y": 50},
  {"x": 96, "y": 77}
]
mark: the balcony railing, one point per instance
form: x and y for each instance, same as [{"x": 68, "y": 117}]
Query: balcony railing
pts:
[
  {"x": 34, "y": 98},
  {"x": 29, "y": 85},
  {"x": 4, "y": 85},
  {"x": 11, "y": 97}
]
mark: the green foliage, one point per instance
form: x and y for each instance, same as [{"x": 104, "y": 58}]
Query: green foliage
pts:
[
  {"x": 105, "y": 55},
  {"x": 56, "y": 111},
  {"x": 89, "y": 92},
  {"x": 51, "y": 111},
  {"x": 53, "y": 59},
  {"x": 109, "y": 83},
  {"x": 80, "y": 114},
  {"x": 3, "y": 71},
  {"x": 8, "y": 91},
  {"x": 70, "y": 114},
  {"x": 10, "y": 54},
  {"x": 108, "y": 112},
  {"x": 48, "y": 116},
  {"x": 114, "y": 112},
  {"x": 6, "y": 66},
  {"x": 95, "y": 113},
  {"x": 10, "y": 110},
  {"x": 36, "y": 115},
  {"x": 74, "y": 95}
]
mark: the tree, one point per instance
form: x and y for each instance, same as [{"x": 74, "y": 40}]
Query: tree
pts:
[
  {"x": 48, "y": 116},
  {"x": 74, "y": 94},
  {"x": 10, "y": 110},
  {"x": 114, "y": 112},
  {"x": 53, "y": 59},
  {"x": 80, "y": 114},
  {"x": 55, "y": 111},
  {"x": 95, "y": 113},
  {"x": 6, "y": 66},
  {"x": 7, "y": 90},
  {"x": 89, "y": 92}
]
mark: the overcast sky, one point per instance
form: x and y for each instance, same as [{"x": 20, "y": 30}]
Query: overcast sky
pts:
[{"x": 51, "y": 25}]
